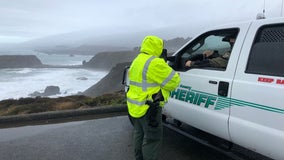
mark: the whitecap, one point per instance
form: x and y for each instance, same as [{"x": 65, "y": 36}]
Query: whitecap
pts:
[{"x": 39, "y": 79}]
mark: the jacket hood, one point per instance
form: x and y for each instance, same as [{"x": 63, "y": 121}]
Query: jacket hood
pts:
[{"x": 152, "y": 45}]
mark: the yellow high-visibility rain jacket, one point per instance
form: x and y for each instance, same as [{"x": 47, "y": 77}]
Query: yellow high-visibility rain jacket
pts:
[{"x": 148, "y": 74}]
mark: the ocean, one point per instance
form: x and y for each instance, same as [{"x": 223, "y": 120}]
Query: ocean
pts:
[{"x": 20, "y": 82}]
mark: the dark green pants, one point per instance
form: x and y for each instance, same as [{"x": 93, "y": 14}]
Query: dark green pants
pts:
[{"x": 147, "y": 139}]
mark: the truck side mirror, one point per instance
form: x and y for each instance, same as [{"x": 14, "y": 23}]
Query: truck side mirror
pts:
[
  {"x": 172, "y": 62},
  {"x": 171, "y": 58}
]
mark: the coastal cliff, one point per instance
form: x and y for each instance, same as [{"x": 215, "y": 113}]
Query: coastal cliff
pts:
[
  {"x": 108, "y": 60},
  {"x": 110, "y": 83},
  {"x": 19, "y": 61}
]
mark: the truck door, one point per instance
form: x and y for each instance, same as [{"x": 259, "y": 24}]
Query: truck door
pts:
[
  {"x": 257, "y": 108},
  {"x": 202, "y": 99}
]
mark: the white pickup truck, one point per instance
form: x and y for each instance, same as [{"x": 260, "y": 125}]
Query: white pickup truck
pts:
[{"x": 242, "y": 103}]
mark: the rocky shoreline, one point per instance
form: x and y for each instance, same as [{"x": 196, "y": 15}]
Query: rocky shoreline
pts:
[
  {"x": 107, "y": 92},
  {"x": 114, "y": 62}
]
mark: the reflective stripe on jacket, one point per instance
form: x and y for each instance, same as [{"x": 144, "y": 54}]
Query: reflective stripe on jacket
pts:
[{"x": 148, "y": 74}]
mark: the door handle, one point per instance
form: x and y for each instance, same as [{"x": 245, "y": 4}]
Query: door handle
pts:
[{"x": 213, "y": 82}]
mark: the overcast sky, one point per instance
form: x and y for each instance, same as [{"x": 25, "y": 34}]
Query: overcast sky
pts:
[{"x": 23, "y": 20}]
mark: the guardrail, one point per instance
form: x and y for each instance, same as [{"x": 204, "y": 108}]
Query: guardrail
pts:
[{"x": 59, "y": 115}]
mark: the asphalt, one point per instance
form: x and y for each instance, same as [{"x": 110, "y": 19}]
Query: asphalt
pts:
[
  {"x": 84, "y": 140},
  {"x": 103, "y": 133},
  {"x": 100, "y": 139}
]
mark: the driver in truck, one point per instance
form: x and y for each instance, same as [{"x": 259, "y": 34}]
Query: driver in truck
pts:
[{"x": 211, "y": 58}]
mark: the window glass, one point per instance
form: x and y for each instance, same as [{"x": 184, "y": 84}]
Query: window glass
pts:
[
  {"x": 215, "y": 42},
  {"x": 212, "y": 42},
  {"x": 267, "y": 52},
  {"x": 218, "y": 42}
]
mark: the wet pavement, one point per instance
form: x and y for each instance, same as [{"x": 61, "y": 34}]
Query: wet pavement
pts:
[{"x": 99, "y": 139}]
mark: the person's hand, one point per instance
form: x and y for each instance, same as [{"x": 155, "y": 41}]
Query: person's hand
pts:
[
  {"x": 188, "y": 63},
  {"x": 208, "y": 53}
]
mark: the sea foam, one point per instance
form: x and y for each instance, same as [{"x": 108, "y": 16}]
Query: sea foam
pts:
[{"x": 17, "y": 83}]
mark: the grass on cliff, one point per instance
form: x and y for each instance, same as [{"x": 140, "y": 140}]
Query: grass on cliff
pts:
[{"x": 43, "y": 104}]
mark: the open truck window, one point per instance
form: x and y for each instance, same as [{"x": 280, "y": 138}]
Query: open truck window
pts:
[{"x": 217, "y": 42}]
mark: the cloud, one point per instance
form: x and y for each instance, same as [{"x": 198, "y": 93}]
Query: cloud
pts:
[{"x": 32, "y": 19}]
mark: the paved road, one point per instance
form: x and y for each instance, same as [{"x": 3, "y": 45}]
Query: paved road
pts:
[{"x": 100, "y": 139}]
